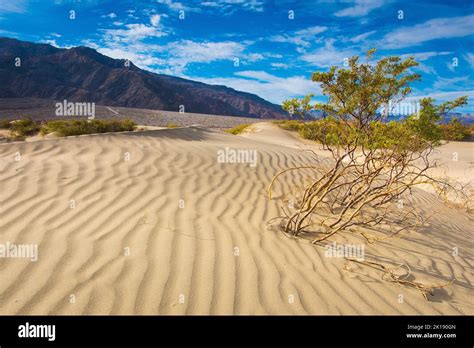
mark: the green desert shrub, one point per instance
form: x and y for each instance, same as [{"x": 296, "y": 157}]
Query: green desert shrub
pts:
[
  {"x": 79, "y": 127},
  {"x": 375, "y": 163},
  {"x": 455, "y": 130},
  {"x": 401, "y": 135},
  {"x": 427, "y": 122},
  {"x": 237, "y": 129},
  {"x": 328, "y": 130},
  {"x": 291, "y": 125},
  {"x": 393, "y": 135},
  {"x": 23, "y": 128},
  {"x": 5, "y": 124}
]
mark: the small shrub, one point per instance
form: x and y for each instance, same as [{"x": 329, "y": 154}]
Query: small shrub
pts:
[
  {"x": 291, "y": 125},
  {"x": 23, "y": 128},
  {"x": 172, "y": 125},
  {"x": 455, "y": 130},
  {"x": 426, "y": 123},
  {"x": 5, "y": 124},
  {"x": 238, "y": 129},
  {"x": 79, "y": 127}
]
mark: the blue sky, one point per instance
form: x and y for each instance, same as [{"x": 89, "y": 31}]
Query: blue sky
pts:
[{"x": 269, "y": 48}]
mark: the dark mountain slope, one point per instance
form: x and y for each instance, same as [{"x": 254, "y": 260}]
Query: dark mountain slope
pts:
[{"x": 81, "y": 74}]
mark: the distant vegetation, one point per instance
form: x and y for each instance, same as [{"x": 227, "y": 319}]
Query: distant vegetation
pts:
[
  {"x": 78, "y": 127},
  {"x": 238, "y": 129},
  {"x": 20, "y": 129},
  {"x": 455, "y": 130},
  {"x": 451, "y": 131},
  {"x": 172, "y": 125},
  {"x": 23, "y": 128},
  {"x": 291, "y": 125}
]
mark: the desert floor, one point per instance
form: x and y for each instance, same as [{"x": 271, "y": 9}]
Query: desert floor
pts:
[{"x": 159, "y": 226}]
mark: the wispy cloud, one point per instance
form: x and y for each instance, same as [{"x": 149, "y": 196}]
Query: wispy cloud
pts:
[
  {"x": 439, "y": 28},
  {"x": 187, "y": 52},
  {"x": 361, "y": 37},
  {"x": 141, "y": 55},
  {"x": 444, "y": 96},
  {"x": 422, "y": 56},
  {"x": 155, "y": 20},
  {"x": 51, "y": 42},
  {"x": 280, "y": 65},
  {"x": 14, "y": 6},
  {"x": 175, "y": 5},
  {"x": 469, "y": 57},
  {"x": 328, "y": 55},
  {"x": 301, "y": 37},
  {"x": 360, "y": 8},
  {"x": 229, "y": 6},
  {"x": 268, "y": 86},
  {"x": 110, "y": 15},
  {"x": 178, "y": 6},
  {"x": 171, "y": 58},
  {"x": 453, "y": 83},
  {"x": 133, "y": 32}
]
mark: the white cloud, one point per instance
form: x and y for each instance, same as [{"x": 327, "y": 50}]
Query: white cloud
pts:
[
  {"x": 172, "y": 58},
  {"x": 16, "y": 6},
  {"x": 176, "y": 5},
  {"x": 50, "y": 42},
  {"x": 254, "y": 57},
  {"x": 155, "y": 20},
  {"x": 173, "y": 5},
  {"x": 443, "y": 83},
  {"x": 205, "y": 52},
  {"x": 270, "y": 87},
  {"x": 311, "y": 31},
  {"x": 187, "y": 52},
  {"x": 8, "y": 33},
  {"x": 210, "y": 4},
  {"x": 362, "y": 37},
  {"x": 229, "y": 6},
  {"x": 140, "y": 54},
  {"x": 469, "y": 57},
  {"x": 439, "y": 28},
  {"x": 444, "y": 96},
  {"x": 280, "y": 65},
  {"x": 300, "y": 37},
  {"x": 422, "y": 56},
  {"x": 328, "y": 55},
  {"x": 110, "y": 15},
  {"x": 360, "y": 8},
  {"x": 133, "y": 32}
]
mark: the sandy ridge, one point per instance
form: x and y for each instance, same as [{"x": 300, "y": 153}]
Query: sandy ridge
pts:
[{"x": 182, "y": 260}]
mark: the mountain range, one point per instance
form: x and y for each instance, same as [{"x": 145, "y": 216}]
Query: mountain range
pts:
[{"x": 81, "y": 74}]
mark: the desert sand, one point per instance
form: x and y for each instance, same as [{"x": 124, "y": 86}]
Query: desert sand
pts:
[{"x": 151, "y": 223}]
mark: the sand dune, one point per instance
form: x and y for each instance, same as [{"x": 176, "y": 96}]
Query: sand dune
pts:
[{"x": 159, "y": 226}]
